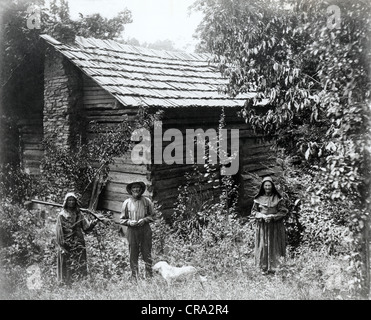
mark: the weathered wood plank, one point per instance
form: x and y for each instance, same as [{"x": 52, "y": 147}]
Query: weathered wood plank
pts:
[
  {"x": 120, "y": 188},
  {"x": 110, "y": 205},
  {"x": 99, "y": 100},
  {"x": 33, "y": 154},
  {"x": 128, "y": 168},
  {"x": 127, "y": 177},
  {"x": 31, "y": 138},
  {"x": 99, "y": 106},
  {"x": 33, "y": 146},
  {"x": 107, "y": 119}
]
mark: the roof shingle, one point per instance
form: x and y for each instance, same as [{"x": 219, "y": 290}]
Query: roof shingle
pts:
[{"x": 138, "y": 76}]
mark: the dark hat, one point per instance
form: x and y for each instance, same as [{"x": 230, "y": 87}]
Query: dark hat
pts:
[{"x": 129, "y": 186}]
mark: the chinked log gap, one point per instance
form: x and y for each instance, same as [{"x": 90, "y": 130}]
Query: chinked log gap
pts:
[{"x": 53, "y": 204}]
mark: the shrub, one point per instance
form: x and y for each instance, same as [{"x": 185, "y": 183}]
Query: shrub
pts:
[
  {"x": 28, "y": 238},
  {"x": 16, "y": 185},
  {"x": 25, "y": 240},
  {"x": 203, "y": 233},
  {"x": 107, "y": 252},
  {"x": 289, "y": 183}
]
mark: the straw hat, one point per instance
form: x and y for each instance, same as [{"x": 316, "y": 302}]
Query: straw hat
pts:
[{"x": 130, "y": 185}]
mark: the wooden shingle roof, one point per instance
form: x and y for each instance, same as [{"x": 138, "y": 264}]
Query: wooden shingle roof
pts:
[{"x": 138, "y": 76}]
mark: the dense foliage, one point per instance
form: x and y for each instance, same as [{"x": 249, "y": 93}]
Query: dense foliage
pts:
[
  {"x": 77, "y": 168},
  {"x": 22, "y": 52},
  {"x": 316, "y": 76},
  {"x": 20, "y": 38},
  {"x": 222, "y": 250}
]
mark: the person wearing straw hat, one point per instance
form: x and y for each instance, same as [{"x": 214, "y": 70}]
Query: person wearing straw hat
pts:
[
  {"x": 270, "y": 233},
  {"x": 71, "y": 250},
  {"x": 137, "y": 213}
]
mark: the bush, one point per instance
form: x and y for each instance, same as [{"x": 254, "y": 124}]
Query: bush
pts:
[
  {"x": 17, "y": 186},
  {"x": 107, "y": 252},
  {"x": 203, "y": 233},
  {"x": 25, "y": 240},
  {"x": 28, "y": 238},
  {"x": 289, "y": 183}
]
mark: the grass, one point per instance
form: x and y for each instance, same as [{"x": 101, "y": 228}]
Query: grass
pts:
[
  {"x": 230, "y": 285},
  {"x": 230, "y": 270}
]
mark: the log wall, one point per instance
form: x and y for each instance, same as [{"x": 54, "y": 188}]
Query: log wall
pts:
[
  {"x": 163, "y": 180},
  {"x": 254, "y": 155},
  {"x": 31, "y": 131},
  {"x": 103, "y": 108}
]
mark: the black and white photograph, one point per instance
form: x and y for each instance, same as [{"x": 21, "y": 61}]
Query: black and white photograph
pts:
[{"x": 198, "y": 152}]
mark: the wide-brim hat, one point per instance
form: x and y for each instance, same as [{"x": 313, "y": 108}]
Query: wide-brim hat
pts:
[{"x": 129, "y": 186}]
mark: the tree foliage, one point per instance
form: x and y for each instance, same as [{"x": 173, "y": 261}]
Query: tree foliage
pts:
[
  {"x": 316, "y": 75},
  {"x": 22, "y": 49}
]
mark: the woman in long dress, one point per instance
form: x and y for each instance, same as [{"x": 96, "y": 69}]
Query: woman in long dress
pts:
[
  {"x": 71, "y": 250},
  {"x": 270, "y": 234}
]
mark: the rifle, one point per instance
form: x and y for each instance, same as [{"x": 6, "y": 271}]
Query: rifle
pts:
[{"x": 60, "y": 206}]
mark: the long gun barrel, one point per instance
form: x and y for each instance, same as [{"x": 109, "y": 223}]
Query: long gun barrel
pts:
[{"x": 60, "y": 206}]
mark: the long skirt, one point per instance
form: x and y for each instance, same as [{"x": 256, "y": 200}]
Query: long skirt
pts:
[
  {"x": 270, "y": 244},
  {"x": 72, "y": 264}
]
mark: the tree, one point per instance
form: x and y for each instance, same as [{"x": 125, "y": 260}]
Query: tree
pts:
[
  {"x": 313, "y": 66},
  {"x": 22, "y": 51},
  {"x": 161, "y": 45}
]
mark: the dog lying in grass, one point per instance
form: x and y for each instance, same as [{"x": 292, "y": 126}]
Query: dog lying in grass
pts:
[{"x": 172, "y": 274}]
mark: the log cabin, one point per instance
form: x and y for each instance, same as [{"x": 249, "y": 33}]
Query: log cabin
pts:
[{"x": 108, "y": 82}]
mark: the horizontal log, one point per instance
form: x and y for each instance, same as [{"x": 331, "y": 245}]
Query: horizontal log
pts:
[
  {"x": 112, "y": 117},
  {"x": 128, "y": 168},
  {"x": 33, "y": 154},
  {"x": 114, "y": 196},
  {"x": 172, "y": 182},
  {"x": 97, "y": 95},
  {"x": 99, "y": 106},
  {"x": 110, "y": 205},
  {"x": 248, "y": 151},
  {"x": 32, "y": 171},
  {"x": 257, "y": 158},
  {"x": 110, "y": 112},
  {"x": 32, "y": 146},
  {"x": 33, "y": 130},
  {"x": 173, "y": 193},
  {"x": 95, "y": 92},
  {"x": 169, "y": 171},
  {"x": 31, "y": 162},
  {"x": 127, "y": 177},
  {"x": 31, "y": 122},
  {"x": 120, "y": 189},
  {"x": 98, "y": 101},
  {"x": 31, "y": 138}
]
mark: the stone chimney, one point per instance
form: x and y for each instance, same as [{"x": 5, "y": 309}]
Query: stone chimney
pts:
[{"x": 63, "y": 100}]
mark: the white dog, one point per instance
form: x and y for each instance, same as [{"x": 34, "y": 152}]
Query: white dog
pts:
[{"x": 171, "y": 274}]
